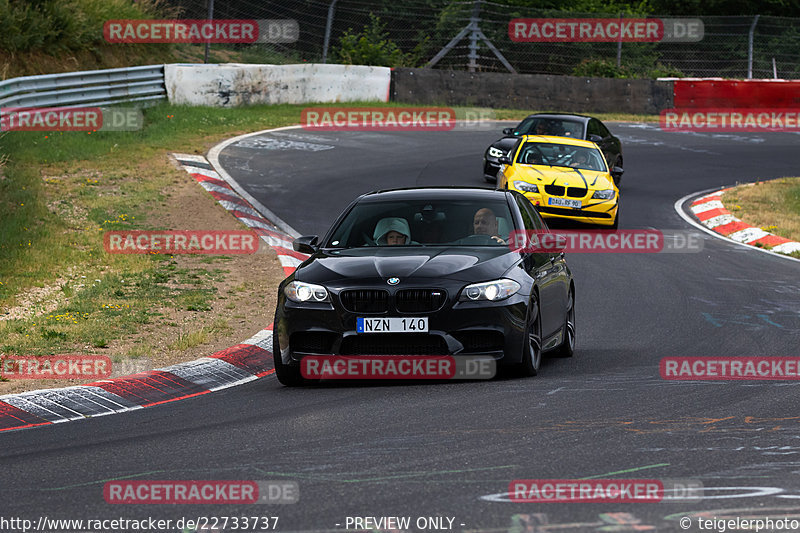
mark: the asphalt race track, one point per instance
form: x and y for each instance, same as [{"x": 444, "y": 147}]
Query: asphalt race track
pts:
[{"x": 450, "y": 450}]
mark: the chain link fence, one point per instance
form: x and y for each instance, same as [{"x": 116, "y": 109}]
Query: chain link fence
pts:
[{"x": 411, "y": 33}]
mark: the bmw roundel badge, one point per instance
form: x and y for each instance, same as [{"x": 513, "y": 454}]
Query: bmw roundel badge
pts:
[{"x": 393, "y": 281}]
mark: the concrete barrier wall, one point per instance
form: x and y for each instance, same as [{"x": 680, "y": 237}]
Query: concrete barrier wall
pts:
[
  {"x": 232, "y": 84},
  {"x": 530, "y": 91}
]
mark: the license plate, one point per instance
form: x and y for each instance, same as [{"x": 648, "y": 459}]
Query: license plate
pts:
[
  {"x": 564, "y": 202},
  {"x": 392, "y": 325}
]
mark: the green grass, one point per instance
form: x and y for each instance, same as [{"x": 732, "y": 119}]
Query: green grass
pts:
[{"x": 190, "y": 339}]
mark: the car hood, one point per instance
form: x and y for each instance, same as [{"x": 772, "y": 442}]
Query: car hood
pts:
[
  {"x": 569, "y": 177},
  {"x": 506, "y": 143},
  {"x": 407, "y": 263}
]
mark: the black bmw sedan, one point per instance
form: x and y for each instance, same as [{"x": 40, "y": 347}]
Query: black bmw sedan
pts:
[
  {"x": 560, "y": 125},
  {"x": 426, "y": 271}
]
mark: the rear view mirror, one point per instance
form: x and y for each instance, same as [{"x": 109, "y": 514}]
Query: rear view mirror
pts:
[
  {"x": 617, "y": 172},
  {"x": 594, "y": 138},
  {"x": 508, "y": 131}
]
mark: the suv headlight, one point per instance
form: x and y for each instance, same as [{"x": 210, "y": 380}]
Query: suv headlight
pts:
[
  {"x": 525, "y": 186},
  {"x": 300, "y": 292},
  {"x": 492, "y": 291},
  {"x": 606, "y": 194},
  {"x": 496, "y": 152}
]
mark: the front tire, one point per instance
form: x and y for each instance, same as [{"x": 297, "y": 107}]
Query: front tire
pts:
[
  {"x": 532, "y": 344},
  {"x": 288, "y": 375},
  {"x": 567, "y": 348}
]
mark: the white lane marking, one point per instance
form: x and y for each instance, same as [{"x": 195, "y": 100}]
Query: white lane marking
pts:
[{"x": 213, "y": 158}]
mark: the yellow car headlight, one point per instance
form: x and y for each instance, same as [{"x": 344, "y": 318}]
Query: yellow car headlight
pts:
[
  {"x": 606, "y": 194},
  {"x": 524, "y": 186}
]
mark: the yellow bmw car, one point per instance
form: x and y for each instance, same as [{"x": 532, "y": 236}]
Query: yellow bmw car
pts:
[{"x": 563, "y": 178}]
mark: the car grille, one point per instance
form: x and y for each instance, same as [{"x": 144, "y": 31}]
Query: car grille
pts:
[
  {"x": 576, "y": 192},
  {"x": 554, "y": 190},
  {"x": 394, "y": 344},
  {"x": 571, "y": 212},
  {"x": 312, "y": 342},
  {"x": 419, "y": 300},
  {"x": 365, "y": 300},
  {"x": 480, "y": 341}
]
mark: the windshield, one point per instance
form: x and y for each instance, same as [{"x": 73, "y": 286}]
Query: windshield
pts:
[
  {"x": 561, "y": 155},
  {"x": 550, "y": 126},
  {"x": 423, "y": 223}
]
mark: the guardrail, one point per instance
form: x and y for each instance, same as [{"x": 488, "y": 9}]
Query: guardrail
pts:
[{"x": 88, "y": 88}]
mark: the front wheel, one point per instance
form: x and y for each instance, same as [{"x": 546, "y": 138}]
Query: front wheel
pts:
[
  {"x": 567, "y": 348},
  {"x": 532, "y": 343},
  {"x": 288, "y": 375}
]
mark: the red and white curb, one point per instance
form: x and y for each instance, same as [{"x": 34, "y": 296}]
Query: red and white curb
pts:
[
  {"x": 218, "y": 187},
  {"x": 711, "y": 213},
  {"x": 239, "y": 364},
  {"x": 233, "y": 366}
]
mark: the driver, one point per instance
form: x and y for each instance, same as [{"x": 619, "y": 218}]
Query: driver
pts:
[
  {"x": 392, "y": 231},
  {"x": 485, "y": 223}
]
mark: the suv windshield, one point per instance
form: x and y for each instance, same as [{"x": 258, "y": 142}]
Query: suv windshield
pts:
[{"x": 424, "y": 223}]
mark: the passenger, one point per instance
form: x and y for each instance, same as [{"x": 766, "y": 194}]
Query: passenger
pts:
[
  {"x": 580, "y": 160},
  {"x": 485, "y": 223},
  {"x": 392, "y": 231},
  {"x": 541, "y": 129}
]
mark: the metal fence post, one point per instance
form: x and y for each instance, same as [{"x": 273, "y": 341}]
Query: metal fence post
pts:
[
  {"x": 619, "y": 43},
  {"x": 328, "y": 24},
  {"x": 750, "y": 48},
  {"x": 210, "y": 17}
]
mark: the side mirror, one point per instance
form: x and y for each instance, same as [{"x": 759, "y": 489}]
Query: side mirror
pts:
[
  {"x": 504, "y": 160},
  {"x": 508, "y": 131},
  {"x": 594, "y": 138},
  {"x": 306, "y": 244},
  {"x": 616, "y": 172}
]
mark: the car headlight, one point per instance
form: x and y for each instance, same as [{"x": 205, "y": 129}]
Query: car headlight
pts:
[
  {"x": 492, "y": 291},
  {"x": 524, "y": 186},
  {"x": 606, "y": 194},
  {"x": 300, "y": 292},
  {"x": 496, "y": 152}
]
